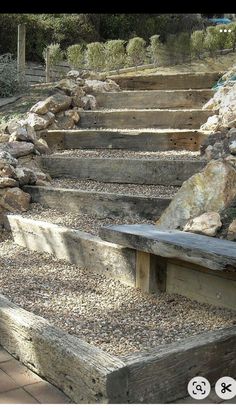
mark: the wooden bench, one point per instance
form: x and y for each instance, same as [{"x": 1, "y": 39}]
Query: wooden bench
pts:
[{"x": 196, "y": 266}]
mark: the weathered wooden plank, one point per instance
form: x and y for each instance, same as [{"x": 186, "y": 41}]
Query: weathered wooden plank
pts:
[
  {"x": 101, "y": 204},
  {"x": 201, "y": 286},
  {"x": 192, "y": 80},
  {"x": 154, "y": 99},
  {"x": 150, "y": 272},
  {"x": 85, "y": 373},
  {"x": 145, "y": 118},
  {"x": 75, "y": 246},
  {"x": 162, "y": 375},
  {"x": 140, "y": 171},
  {"x": 160, "y": 140},
  {"x": 205, "y": 251}
]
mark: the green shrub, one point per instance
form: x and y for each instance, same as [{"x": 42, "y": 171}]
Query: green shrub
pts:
[
  {"x": 211, "y": 41},
  {"x": 9, "y": 82},
  {"x": 55, "y": 54},
  {"x": 182, "y": 48},
  {"x": 95, "y": 56},
  {"x": 155, "y": 49},
  {"x": 197, "y": 43},
  {"x": 115, "y": 54},
  {"x": 75, "y": 55},
  {"x": 232, "y": 27},
  {"x": 136, "y": 51}
]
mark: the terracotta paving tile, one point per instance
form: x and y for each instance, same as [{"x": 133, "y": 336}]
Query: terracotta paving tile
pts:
[
  {"x": 16, "y": 396},
  {"x": 44, "y": 392},
  {"x": 19, "y": 373},
  {"x": 6, "y": 383},
  {"x": 4, "y": 356}
]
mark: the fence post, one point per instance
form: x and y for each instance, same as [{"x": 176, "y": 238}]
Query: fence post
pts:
[
  {"x": 48, "y": 65},
  {"x": 21, "y": 51}
]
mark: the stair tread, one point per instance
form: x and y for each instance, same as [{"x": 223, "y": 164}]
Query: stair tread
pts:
[{"x": 129, "y": 130}]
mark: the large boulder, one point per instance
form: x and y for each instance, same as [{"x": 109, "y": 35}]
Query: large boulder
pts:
[
  {"x": 7, "y": 182},
  {"x": 210, "y": 190},
  {"x": 8, "y": 171},
  {"x": 208, "y": 223},
  {"x": 55, "y": 103},
  {"x": 68, "y": 85},
  {"x": 25, "y": 176},
  {"x": 14, "y": 199},
  {"x": 231, "y": 235},
  {"x": 17, "y": 149},
  {"x": 6, "y": 159},
  {"x": 39, "y": 122},
  {"x": 100, "y": 86}
]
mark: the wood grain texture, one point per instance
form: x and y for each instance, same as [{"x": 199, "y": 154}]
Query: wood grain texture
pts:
[
  {"x": 140, "y": 171},
  {"x": 101, "y": 204},
  {"x": 198, "y": 80},
  {"x": 154, "y": 99},
  {"x": 202, "y": 287},
  {"x": 162, "y": 375},
  {"x": 85, "y": 373},
  {"x": 159, "y": 140},
  {"x": 141, "y": 118},
  {"x": 197, "y": 249},
  {"x": 75, "y": 246}
]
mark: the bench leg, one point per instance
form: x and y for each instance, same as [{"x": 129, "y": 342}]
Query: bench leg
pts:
[{"x": 150, "y": 272}]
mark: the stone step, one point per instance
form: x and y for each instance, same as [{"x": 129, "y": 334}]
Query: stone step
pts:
[
  {"x": 102, "y": 204},
  {"x": 133, "y": 139},
  {"x": 145, "y": 118},
  {"x": 188, "y": 80},
  {"x": 119, "y": 170},
  {"x": 154, "y": 99}
]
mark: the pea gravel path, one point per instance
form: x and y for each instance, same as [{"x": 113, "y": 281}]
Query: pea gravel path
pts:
[
  {"x": 120, "y": 188},
  {"x": 102, "y": 311},
  {"x": 84, "y": 222},
  {"x": 126, "y": 154}
]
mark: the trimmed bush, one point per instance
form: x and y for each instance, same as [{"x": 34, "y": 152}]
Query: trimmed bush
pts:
[
  {"x": 55, "y": 54},
  {"x": 115, "y": 54},
  {"x": 76, "y": 56},
  {"x": 154, "y": 49},
  {"x": 211, "y": 41},
  {"x": 136, "y": 51},
  {"x": 95, "y": 56},
  {"x": 197, "y": 41}
]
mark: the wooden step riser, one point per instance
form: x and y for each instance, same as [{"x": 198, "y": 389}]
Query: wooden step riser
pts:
[
  {"x": 137, "y": 141},
  {"x": 139, "y": 171},
  {"x": 167, "y": 82},
  {"x": 154, "y": 99},
  {"x": 98, "y": 204},
  {"x": 131, "y": 119}
]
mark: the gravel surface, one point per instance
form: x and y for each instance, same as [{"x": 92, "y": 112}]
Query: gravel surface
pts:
[
  {"x": 122, "y": 188},
  {"x": 122, "y": 153},
  {"x": 85, "y": 222},
  {"x": 102, "y": 311}
]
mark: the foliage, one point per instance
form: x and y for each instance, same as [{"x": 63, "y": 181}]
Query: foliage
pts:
[
  {"x": 115, "y": 54},
  {"x": 76, "y": 55},
  {"x": 197, "y": 41},
  {"x": 55, "y": 54},
  {"x": 211, "y": 41},
  {"x": 95, "y": 56},
  {"x": 155, "y": 48},
  {"x": 9, "y": 83},
  {"x": 136, "y": 51}
]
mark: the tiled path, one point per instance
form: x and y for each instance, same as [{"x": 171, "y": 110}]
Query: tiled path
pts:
[{"x": 20, "y": 385}]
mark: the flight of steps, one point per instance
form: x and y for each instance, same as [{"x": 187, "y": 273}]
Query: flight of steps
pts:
[{"x": 126, "y": 142}]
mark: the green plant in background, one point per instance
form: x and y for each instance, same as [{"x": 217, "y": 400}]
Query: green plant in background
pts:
[
  {"x": 154, "y": 49},
  {"x": 182, "y": 47},
  {"x": 115, "y": 55},
  {"x": 95, "y": 56},
  {"x": 9, "y": 82},
  {"x": 211, "y": 41},
  {"x": 55, "y": 54},
  {"x": 196, "y": 43},
  {"x": 136, "y": 51},
  {"x": 76, "y": 56}
]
